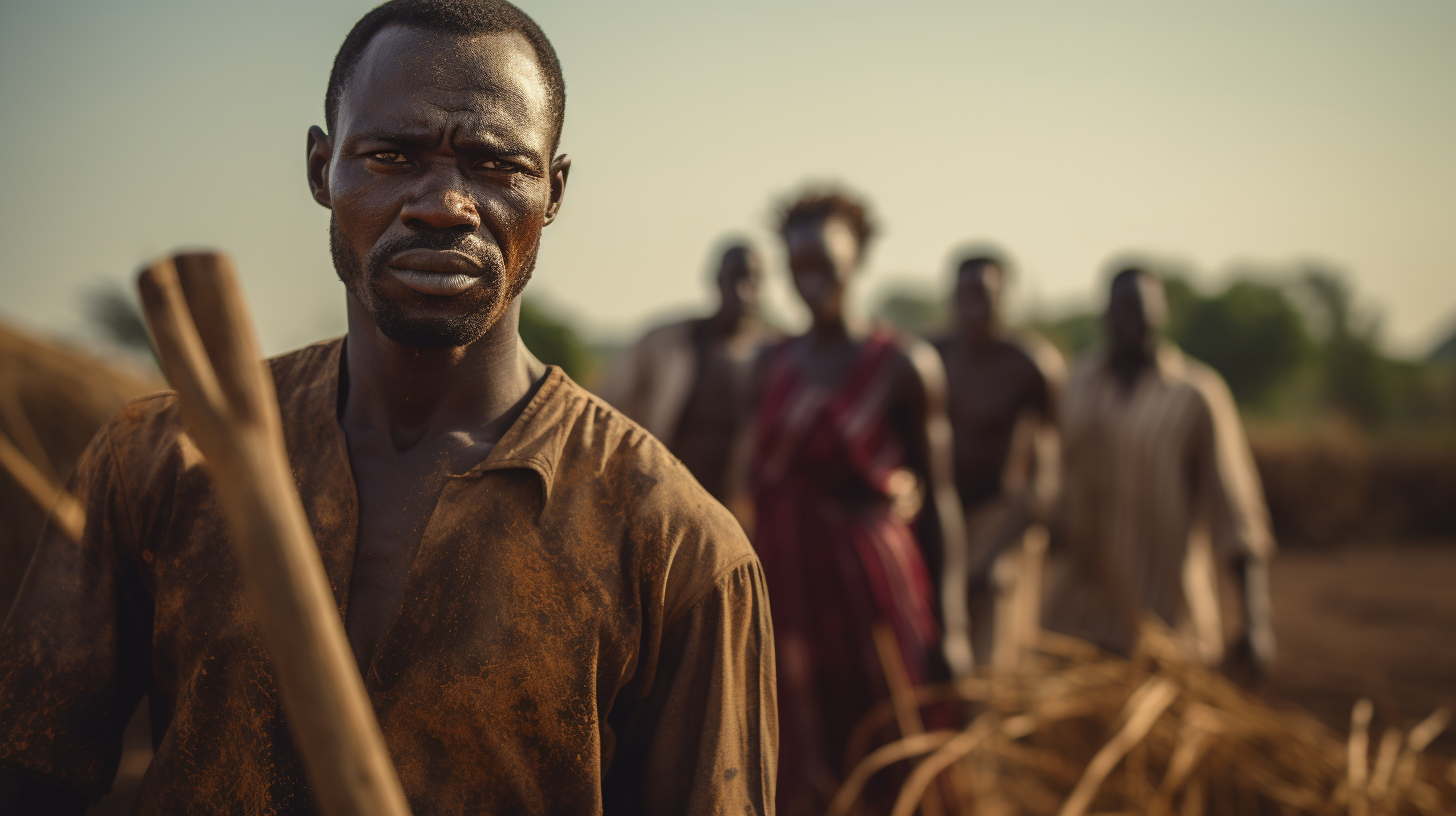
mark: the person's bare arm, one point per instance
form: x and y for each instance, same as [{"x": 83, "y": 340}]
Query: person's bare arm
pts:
[
  {"x": 1051, "y": 372},
  {"x": 942, "y": 520},
  {"x": 1239, "y": 522}
]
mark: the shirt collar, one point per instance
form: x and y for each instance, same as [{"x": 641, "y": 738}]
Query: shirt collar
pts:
[
  {"x": 538, "y": 436},
  {"x": 1169, "y": 364},
  {"x": 535, "y": 441}
]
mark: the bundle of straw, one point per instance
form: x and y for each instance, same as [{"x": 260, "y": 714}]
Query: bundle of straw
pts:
[
  {"x": 1071, "y": 730},
  {"x": 52, "y": 401}
]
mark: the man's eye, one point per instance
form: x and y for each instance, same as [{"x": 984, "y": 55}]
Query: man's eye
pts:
[
  {"x": 496, "y": 164},
  {"x": 388, "y": 157}
]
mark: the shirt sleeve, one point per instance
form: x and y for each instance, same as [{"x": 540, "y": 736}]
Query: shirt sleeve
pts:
[
  {"x": 1238, "y": 515},
  {"x": 705, "y": 739},
  {"x": 72, "y": 649}
]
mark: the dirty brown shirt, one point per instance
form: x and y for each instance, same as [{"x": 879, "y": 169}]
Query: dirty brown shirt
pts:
[{"x": 584, "y": 630}]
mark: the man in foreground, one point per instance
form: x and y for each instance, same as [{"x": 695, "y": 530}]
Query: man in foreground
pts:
[
  {"x": 1159, "y": 481},
  {"x": 690, "y": 382},
  {"x": 550, "y": 615},
  {"x": 1002, "y": 391}
]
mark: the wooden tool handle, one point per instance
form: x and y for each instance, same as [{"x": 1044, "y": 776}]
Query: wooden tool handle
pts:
[{"x": 208, "y": 350}]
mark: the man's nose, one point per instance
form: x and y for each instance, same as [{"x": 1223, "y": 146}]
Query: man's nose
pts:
[{"x": 443, "y": 205}]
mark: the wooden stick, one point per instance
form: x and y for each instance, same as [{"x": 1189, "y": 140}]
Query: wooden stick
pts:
[
  {"x": 207, "y": 347},
  {"x": 917, "y": 789},
  {"x": 1358, "y": 756},
  {"x": 902, "y": 695},
  {"x": 879, "y": 759},
  {"x": 66, "y": 513},
  {"x": 1142, "y": 710}
]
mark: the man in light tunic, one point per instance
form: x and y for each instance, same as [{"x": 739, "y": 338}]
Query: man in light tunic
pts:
[{"x": 1159, "y": 481}]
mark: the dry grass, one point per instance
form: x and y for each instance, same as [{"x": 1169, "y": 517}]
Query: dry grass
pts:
[
  {"x": 52, "y": 401},
  {"x": 1074, "y": 731}
]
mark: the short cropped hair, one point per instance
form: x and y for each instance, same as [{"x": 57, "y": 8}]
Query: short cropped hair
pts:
[
  {"x": 464, "y": 18},
  {"x": 821, "y": 205},
  {"x": 978, "y": 258},
  {"x": 1130, "y": 273}
]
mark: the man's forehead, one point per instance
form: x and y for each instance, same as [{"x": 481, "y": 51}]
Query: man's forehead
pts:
[
  {"x": 976, "y": 273},
  {"x": 411, "y": 70},
  {"x": 811, "y": 234}
]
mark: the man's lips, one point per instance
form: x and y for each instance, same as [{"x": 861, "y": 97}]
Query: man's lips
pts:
[{"x": 437, "y": 272}]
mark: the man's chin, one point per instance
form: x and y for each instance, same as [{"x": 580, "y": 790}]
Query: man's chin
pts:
[{"x": 434, "y": 330}]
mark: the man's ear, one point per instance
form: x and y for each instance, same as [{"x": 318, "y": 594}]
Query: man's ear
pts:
[
  {"x": 560, "y": 169},
  {"x": 320, "y": 152}
]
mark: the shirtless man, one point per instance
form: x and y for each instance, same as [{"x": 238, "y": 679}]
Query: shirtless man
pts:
[
  {"x": 550, "y": 615},
  {"x": 1002, "y": 402},
  {"x": 690, "y": 383}
]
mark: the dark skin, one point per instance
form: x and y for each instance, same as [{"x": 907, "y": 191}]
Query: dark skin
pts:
[
  {"x": 437, "y": 135},
  {"x": 1137, "y": 311},
  {"x": 992, "y": 384},
  {"x": 823, "y": 257},
  {"x": 719, "y": 405}
]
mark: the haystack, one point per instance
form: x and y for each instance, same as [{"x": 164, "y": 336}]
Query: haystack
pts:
[
  {"x": 1072, "y": 730},
  {"x": 52, "y": 401}
]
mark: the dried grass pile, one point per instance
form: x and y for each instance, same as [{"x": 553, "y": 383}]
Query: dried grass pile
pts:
[
  {"x": 1072, "y": 730},
  {"x": 52, "y": 401}
]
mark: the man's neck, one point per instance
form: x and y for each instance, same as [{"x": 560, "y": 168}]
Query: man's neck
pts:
[
  {"x": 728, "y": 322},
  {"x": 979, "y": 341},
  {"x": 411, "y": 394},
  {"x": 831, "y": 330},
  {"x": 1129, "y": 364}
]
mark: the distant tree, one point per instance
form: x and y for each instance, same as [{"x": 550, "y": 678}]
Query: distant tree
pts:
[
  {"x": 1250, "y": 332},
  {"x": 554, "y": 342},
  {"x": 1357, "y": 378},
  {"x": 118, "y": 317},
  {"x": 1075, "y": 334},
  {"x": 914, "y": 311}
]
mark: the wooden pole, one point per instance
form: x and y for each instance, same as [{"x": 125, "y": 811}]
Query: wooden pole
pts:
[
  {"x": 65, "y": 512},
  {"x": 205, "y": 340}
]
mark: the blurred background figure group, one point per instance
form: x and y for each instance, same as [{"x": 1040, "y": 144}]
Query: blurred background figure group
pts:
[{"x": 945, "y": 496}]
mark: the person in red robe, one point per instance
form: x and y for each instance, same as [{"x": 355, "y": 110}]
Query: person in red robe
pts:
[{"x": 851, "y": 436}]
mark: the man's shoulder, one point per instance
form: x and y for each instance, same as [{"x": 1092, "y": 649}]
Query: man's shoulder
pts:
[
  {"x": 1205, "y": 383},
  {"x": 677, "y": 331},
  {"x": 306, "y": 367},
  {"x": 1040, "y": 354},
  {"x": 657, "y": 499}
]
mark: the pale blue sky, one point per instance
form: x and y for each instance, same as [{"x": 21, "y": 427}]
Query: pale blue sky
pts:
[{"x": 1067, "y": 131}]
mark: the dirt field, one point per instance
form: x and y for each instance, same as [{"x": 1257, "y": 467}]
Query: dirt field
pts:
[
  {"x": 1370, "y": 621},
  {"x": 1376, "y": 621}
]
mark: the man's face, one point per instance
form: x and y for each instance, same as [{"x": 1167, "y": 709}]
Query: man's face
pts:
[
  {"x": 1136, "y": 311},
  {"x": 822, "y": 257},
  {"x": 739, "y": 276},
  {"x": 978, "y": 297},
  {"x": 440, "y": 176}
]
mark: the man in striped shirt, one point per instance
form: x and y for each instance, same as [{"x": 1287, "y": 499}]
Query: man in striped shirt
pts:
[{"x": 1159, "y": 481}]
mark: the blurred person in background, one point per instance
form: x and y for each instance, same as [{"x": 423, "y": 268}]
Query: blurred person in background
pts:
[
  {"x": 1159, "y": 481},
  {"x": 1003, "y": 389},
  {"x": 850, "y": 423},
  {"x": 690, "y": 383}
]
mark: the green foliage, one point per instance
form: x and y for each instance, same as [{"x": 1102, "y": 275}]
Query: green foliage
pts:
[
  {"x": 118, "y": 316},
  {"x": 1250, "y": 331},
  {"x": 1075, "y": 334},
  {"x": 554, "y": 342},
  {"x": 1292, "y": 347},
  {"x": 914, "y": 312}
]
